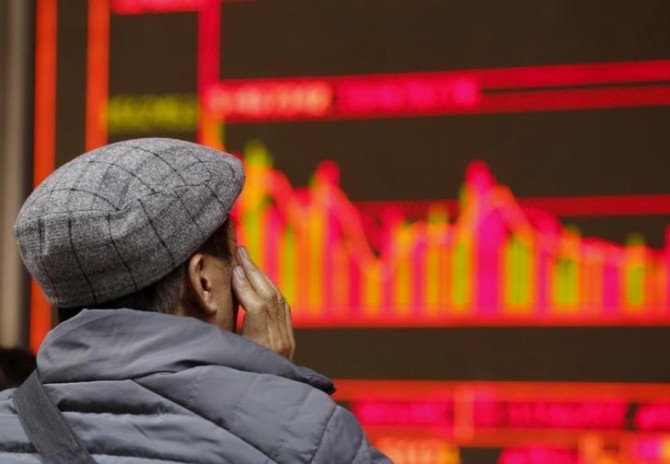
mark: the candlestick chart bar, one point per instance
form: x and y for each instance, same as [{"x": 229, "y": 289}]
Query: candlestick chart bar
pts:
[{"x": 494, "y": 263}]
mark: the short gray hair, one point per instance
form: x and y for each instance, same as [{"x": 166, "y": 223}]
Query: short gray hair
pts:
[{"x": 164, "y": 295}]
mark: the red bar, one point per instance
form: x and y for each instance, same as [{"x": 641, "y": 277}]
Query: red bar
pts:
[
  {"x": 610, "y": 205},
  {"x": 44, "y": 157},
  {"x": 135, "y": 7},
  {"x": 567, "y": 75},
  {"x": 138, "y": 7},
  {"x": 433, "y": 94},
  {"x": 579, "y": 99},
  {"x": 317, "y": 100},
  {"x": 45, "y": 90},
  {"x": 97, "y": 73},
  {"x": 438, "y": 390},
  {"x": 574, "y": 75},
  {"x": 652, "y": 317},
  {"x": 209, "y": 30},
  {"x": 573, "y": 206}
]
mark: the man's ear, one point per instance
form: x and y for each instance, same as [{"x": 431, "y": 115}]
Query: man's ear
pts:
[{"x": 199, "y": 282}]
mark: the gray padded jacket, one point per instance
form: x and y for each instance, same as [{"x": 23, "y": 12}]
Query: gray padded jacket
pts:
[{"x": 154, "y": 388}]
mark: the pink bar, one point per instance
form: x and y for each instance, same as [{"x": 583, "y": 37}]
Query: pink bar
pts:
[
  {"x": 135, "y": 7},
  {"x": 586, "y": 415},
  {"x": 611, "y": 290},
  {"x": 209, "y": 30},
  {"x": 138, "y": 7},
  {"x": 538, "y": 454},
  {"x": 490, "y": 239},
  {"x": 653, "y": 417},
  {"x": 490, "y": 232}
]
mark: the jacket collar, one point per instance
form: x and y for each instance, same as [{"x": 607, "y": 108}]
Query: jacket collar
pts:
[{"x": 124, "y": 344}]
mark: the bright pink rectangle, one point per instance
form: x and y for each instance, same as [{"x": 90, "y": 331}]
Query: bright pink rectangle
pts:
[
  {"x": 440, "y": 93},
  {"x": 137, "y": 7}
]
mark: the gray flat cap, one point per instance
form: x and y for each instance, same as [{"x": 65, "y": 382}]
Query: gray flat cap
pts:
[{"x": 117, "y": 219}]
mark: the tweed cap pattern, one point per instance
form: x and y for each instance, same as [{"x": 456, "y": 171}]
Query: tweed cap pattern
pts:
[{"x": 117, "y": 219}]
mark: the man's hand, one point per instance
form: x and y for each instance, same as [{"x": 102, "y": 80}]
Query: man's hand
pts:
[{"x": 268, "y": 316}]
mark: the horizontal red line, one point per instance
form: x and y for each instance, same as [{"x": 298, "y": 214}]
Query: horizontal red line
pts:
[
  {"x": 141, "y": 7},
  {"x": 571, "y": 206},
  {"x": 508, "y": 102},
  {"x": 531, "y": 320},
  {"x": 565, "y": 75},
  {"x": 612, "y": 205},
  {"x": 348, "y": 389},
  {"x": 572, "y": 99},
  {"x": 575, "y": 75},
  {"x": 532, "y": 88}
]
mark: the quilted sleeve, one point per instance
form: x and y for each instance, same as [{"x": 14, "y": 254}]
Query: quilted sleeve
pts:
[{"x": 343, "y": 441}]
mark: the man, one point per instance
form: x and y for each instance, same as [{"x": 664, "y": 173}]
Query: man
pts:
[{"x": 153, "y": 371}]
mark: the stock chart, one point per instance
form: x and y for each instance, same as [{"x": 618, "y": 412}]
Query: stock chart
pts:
[{"x": 465, "y": 203}]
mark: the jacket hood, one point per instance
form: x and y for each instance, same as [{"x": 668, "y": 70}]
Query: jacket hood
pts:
[{"x": 104, "y": 345}]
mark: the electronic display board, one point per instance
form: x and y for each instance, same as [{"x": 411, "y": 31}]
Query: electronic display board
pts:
[{"x": 466, "y": 203}]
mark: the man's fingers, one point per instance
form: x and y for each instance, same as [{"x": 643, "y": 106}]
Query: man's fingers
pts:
[
  {"x": 267, "y": 320},
  {"x": 257, "y": 278},
  {"x": 246, "y": 294}
]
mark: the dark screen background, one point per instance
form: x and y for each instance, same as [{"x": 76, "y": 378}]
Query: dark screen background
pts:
[
  {"x": 591, "y": 152},
  {"x": 564, "y": 153}
]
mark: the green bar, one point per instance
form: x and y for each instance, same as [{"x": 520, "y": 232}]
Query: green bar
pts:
[
  {"x": 555, "y": 284},
  {"x": 560, "y": 283},
  {"x": 524, "y": 258},
  {"x": 256, "y": 157},
  {"x": 570, "y": 273},
  {"x": 288, "y": 265},
  {"x": 635, "y": 285},
  {"x": 255, "y": 154},
  {"x": 635, "y": 239},
  {"x": 567, "y": 282},
  {"x": 635, "y": 275},
  {"x": 461, "y": 274}
]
